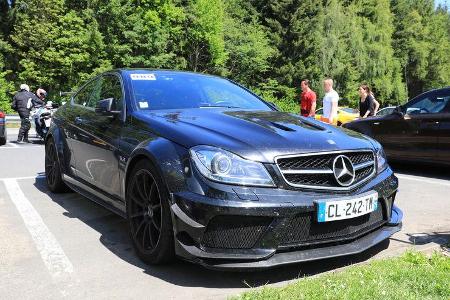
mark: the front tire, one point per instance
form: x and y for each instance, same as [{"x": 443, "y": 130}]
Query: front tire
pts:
[
  {"x": 52, "y": 169},
  {"x": 2, "y": 141},
  {"x": 148, "y": 213}
]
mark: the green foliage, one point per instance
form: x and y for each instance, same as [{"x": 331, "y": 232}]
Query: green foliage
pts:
[
  {"x": 283, "y": 97},
  {"x": 398, "y": 47},
  {"x": 205, "y": 43},
  {"x": 246, "y": 44},
  {"x": 6, "y": 87}
]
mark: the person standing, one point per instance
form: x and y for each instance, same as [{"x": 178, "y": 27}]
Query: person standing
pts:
[
  {"x": 23, "y": 102},
  {"x": 330, "y": 102},
  {"x": 307, "y": 100},
  {"x": 367, "y": 106}
]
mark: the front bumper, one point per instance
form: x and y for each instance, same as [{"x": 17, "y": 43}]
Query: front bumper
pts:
[
  {"x": 279, "y": 259},
  {"x": 276, "y": 227}
]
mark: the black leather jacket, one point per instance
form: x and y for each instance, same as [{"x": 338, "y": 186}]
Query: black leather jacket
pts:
[{"x": 20, "y": 102}]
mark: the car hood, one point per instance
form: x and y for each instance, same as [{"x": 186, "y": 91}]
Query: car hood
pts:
[{"x": 255, "y": 135}]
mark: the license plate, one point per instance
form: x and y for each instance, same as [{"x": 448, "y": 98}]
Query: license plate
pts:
[{"x": 346, "y": 208}]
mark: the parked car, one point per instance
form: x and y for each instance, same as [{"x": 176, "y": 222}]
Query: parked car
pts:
[
  {"x": 3, "y": 134},
  {"x": 345, "y": 115},
  {"x": 204, "y": 169},
  {"x": 417, "y": 131},
  {"x": 386, "y": 111}
]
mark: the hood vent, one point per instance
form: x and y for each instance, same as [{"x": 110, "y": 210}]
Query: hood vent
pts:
[{"x": 282, "y": 127}]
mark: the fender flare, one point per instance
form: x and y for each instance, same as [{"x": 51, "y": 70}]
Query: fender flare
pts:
[{"x": 157, "y": 151}]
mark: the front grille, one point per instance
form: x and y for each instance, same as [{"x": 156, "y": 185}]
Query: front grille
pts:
[
  {"x": 303, "y": 229},
  {"x": 234, "y": 232},
  {"x": 316, "y": 170}
]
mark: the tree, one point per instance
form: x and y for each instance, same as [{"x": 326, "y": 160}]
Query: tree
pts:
[
  {"x": 382, "y": 70},
  {"x": 205, "y": 45},
  {"x": 141, "y": 33},
  {"x": 246, "y": 44},
  {"x": 411, "y": 42},
  {"x": 6, "y": 86},
  {"x": 438, "y": 73},
  {"x": 33, "y": 31},
  {"x": 393, "y": 45}
]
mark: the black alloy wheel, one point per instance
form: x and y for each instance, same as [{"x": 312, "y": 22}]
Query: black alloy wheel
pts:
[
  {"x": 148, "y": 216},
  {"x": 52, "y": 169}
]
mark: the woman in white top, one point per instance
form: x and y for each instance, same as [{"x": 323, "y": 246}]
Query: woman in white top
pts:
[{"x": 330, "y": 102}]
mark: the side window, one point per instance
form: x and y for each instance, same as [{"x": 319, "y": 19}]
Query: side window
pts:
[
  {"x": 88, "y": 95},
  {"x": 443, "y": 98},
  {"x": 424, "y": 105},
  {"x": 111, "y": 88}
]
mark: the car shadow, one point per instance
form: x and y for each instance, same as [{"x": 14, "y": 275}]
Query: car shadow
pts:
[
  {"x": 419, "y": 169},
  {"x": 37, "y": 141},
  {"x": 441, "y": 238},
  {"x": 114, "y": 236}
]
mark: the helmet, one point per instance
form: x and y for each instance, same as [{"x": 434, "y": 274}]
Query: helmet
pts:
[
  {"x": 41, "y": 93},
  {"x": 24, "y": 87}
]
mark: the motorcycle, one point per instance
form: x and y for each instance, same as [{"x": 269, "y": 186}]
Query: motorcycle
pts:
[{"x": 43, "y": 117}]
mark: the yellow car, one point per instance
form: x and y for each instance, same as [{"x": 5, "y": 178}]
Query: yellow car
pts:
[{"x": 345, "y": 115}]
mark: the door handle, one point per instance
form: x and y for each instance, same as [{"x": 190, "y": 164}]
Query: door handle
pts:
[{"x": 376, "y": 123}]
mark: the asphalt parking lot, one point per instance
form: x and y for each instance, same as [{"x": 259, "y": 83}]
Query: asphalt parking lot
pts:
[{"x": 65, "y": 246}]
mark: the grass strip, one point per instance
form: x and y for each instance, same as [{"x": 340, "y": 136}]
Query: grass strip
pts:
[{"x": 411, "y": 276}]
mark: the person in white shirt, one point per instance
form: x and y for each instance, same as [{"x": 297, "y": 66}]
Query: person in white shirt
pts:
[{"x": 330, "y": 102}]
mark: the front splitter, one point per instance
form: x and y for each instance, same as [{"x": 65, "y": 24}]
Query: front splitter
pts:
[{"x": 285, "y": 258}]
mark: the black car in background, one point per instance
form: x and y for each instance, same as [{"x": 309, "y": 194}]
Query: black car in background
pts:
[
  {"x": 205, "y": 170},
  {"x": 417, "y": 131},
  {"x": 3, "y": 135}
]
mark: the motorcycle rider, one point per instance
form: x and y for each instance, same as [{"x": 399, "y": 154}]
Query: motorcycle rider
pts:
[
  {"x": 23, "y": 102},
  {"x": 42, "y": 94}
]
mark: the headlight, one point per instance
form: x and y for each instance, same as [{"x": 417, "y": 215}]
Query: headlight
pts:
[
  {"x": 223, "y": 166},
  {"x": 381, "y": 160}
]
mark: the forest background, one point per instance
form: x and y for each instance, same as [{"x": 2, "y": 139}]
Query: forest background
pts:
[{"x": 399, "y": 47}]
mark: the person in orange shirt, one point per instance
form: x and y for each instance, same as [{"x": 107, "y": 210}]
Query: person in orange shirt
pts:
[{"x": 307, "y": 100}]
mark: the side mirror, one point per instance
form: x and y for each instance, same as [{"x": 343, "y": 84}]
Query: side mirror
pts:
[{"x": 105, "y": 107}]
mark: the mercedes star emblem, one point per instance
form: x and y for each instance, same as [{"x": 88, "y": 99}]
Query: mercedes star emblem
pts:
[{"x": 343, "y": 170}]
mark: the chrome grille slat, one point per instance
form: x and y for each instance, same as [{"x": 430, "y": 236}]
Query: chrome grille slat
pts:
[
  {"x": 309, "y": 171},
  {"x": 315, "y": 170},
  {"x": 364, "y": 165}
]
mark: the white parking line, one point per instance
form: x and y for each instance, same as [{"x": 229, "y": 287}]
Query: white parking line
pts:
[
  {"x": 421, "y": 179},
  {"x": 51, "y": 252},
  {"x": 26, "y": 177},
  {"x": 14, "y": 145}
]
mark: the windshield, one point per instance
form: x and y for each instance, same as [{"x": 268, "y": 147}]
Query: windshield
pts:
[{"x": 168, "y": 90}]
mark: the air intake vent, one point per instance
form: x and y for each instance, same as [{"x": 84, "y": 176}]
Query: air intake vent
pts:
[{"x": 234, "y": 232}]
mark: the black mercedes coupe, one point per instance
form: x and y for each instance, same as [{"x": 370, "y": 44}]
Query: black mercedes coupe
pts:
[
  {"x": 417, "y": 131},
  {"x": 205, "y": 170}
]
